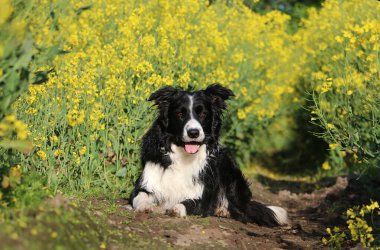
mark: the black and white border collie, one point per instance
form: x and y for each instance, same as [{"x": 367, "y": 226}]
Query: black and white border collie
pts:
[{"x": 186, "y": 170}]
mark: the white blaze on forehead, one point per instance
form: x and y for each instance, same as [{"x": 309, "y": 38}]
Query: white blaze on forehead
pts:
[{"x": 192, "y": 124}]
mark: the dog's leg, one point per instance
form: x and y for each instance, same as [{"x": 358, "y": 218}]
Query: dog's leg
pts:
[
  {"x": 143, "y": 202},
  {"x": 186, "y": 207},
  {"x": 192, "y": 206},
  {"x": 222, "y": 208}
]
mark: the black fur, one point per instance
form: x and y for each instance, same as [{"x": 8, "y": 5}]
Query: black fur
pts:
[{"x": 221, "y": 174}]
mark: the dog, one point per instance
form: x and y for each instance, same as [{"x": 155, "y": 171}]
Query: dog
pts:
[{"x": 185, "y": 169}]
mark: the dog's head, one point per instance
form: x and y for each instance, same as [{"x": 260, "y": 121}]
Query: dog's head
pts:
[{"x": 191, "y": 118}]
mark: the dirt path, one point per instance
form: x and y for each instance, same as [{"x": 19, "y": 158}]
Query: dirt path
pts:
[{"x": 157, "y": 231}]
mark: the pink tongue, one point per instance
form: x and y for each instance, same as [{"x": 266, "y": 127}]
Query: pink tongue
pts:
[{"x": 191, "y": 148}]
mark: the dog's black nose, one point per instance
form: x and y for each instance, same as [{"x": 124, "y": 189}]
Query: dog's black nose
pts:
[{"x": 193, "y": 133}]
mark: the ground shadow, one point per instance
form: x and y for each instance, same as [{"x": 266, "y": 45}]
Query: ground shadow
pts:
[
  {"x": 305, "y": 152},
  {"x": 294, "y": 186}
]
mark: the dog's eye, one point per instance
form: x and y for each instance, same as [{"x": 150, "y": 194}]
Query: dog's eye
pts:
[
  {"x": 202, "y": 115},
  {"x": 180, "y": 115}
]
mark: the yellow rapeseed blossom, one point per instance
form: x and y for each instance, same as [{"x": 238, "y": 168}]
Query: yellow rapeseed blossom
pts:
[
  {"x": 10, "y": 119},
  {"x": 42, "y": 155},
  {"x": 82, "y": 151},
  {"x": 241, "y": 114},
  {"x": 54, "y": 139},
  {"x": 54, "y": 234},
  {"x": 15, "y": 173},
  {"x": 326, "y": 166},
  {"x": 5, "y": 11},
  {"x": 5, "y": 182},
  {"x": 330, "y": 126},
  {"x": 58, "y": 153},
  {"x": 4, "y": 128},
  {"x": 75, "y": 117},
  {"x": 21, "y": 130}
]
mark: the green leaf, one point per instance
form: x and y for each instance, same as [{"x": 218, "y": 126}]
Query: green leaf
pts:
[
  {"x": 121, "y": 172},
  {"x": 4, "y": 103},
  {"x": 26, "y": 53}
]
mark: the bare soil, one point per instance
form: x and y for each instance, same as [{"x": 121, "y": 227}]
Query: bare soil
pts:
[{"x": 309, "y": 212}]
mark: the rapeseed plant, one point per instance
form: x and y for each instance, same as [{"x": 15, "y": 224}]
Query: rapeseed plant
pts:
[{"x": 358, "y": 230}]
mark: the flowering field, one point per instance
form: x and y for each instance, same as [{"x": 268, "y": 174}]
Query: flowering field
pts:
[{"x": 75, "y": 76}]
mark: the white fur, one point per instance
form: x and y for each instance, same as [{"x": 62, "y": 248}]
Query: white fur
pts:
[
  {"x": 175, "y": 184},
  {"x": 143, "y": 202},
  {"x": 223, "y": 200},
  {"x": 179, "y": 210},
  {"x": 222, "y": 209},
  {"x": 280, "y": 214},
  {"x": 192, "y": 124}
]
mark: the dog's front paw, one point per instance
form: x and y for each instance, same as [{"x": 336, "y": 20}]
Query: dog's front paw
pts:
[
  {"x": 178, "y": 210},
  {"x": 143, "y": 202},
  {"x": 222, "y": 212}
]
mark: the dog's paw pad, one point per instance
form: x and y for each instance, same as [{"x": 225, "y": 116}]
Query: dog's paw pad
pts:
[
  {"x": 178, "y": 210},
  {"x": 222, "y": 212}
]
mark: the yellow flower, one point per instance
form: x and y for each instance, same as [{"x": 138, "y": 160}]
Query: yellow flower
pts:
[
  {"x": 350, "y": 92},
  {"x": 326, "y": 166},
  {"x": 5, "y": 182},
  {"x": 339, "y": 39},
  {"x": 324, "y": 241},
  {"x": 333, "y": 146},
  {"x": 350, "y": 213},
  {"x": 372, "y": 206},
  {"x": 6, "y": 11},
  {"x": 58, "y": 152},
  {"x": 4, "y": 128},
  {"x": 54, "y": 235},
  {"x": 103, "y": 245},
  {"x": 75, "y": 117},
  {"x": 15, "y": 173},
  {"x": 10, "y": 119},
  {"x": 42, "y": 155},
  {"x": 54, "y": 139},
  {"x": 326, "y": 86},
  {"x": 330, "y": 126},
  {"x": 21, "y": 130},
  {"x": 241, "y": 114},
  {"x": 82, "y": 151}
]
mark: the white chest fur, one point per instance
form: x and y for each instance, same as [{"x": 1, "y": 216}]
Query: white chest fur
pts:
[{"x": 176, "y": 183}]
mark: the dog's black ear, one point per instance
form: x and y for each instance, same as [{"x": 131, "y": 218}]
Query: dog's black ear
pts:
[
  {"x": 219, "y": 94},
  {"x": 164, "y": 94},
  {"x": 162, "y": 98}
]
